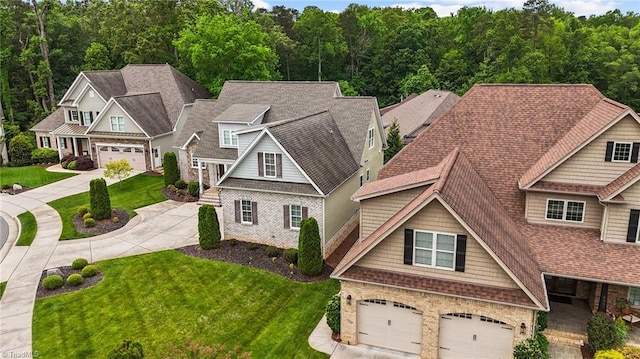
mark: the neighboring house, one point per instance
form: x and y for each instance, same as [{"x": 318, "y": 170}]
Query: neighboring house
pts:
[
  {"x": 417, "y": 112},
  {"x": 519, "y": 194},
  {"x": 132, "y": 113},
  {"x": 279, "y": 152},
  {"x": 3, "y": 151}
]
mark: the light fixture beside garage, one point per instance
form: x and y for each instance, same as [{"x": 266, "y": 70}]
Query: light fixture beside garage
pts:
[
  {"x": 349, "y": 299},
  {"x": 523, "y": 328}
]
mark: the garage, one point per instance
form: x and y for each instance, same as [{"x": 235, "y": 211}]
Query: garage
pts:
[
  {"x": 132, "y": 153},
  {"x": 464, "y": 335},
  {"x": 389, "y": 324}
]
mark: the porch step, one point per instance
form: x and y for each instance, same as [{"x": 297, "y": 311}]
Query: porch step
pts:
[
  {"x": 210, "y": 196},
  {"x": 159, "y": 170},
  {"x": 562, "y": 337}
]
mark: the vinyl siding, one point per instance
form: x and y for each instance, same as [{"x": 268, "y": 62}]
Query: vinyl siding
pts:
[
  {"x": 536, "y": 209},
  {"x": 339, "y": 207},
  {"x": 248, "y": 168},
  {"x": 75, "y": 92},
  {"x": 376, "y": 211},
  {"x": 618, "y": 221},
  {"x": 480, "y": 267},
  {"x": 228, "y": 126},
  {"x": 588, "y": 165},
  {"x": 245, "y": 139},
  {"x": 88, "y": 103},
  {"x": 372, "y": 158},
  {"x": 114, "y": 110}
]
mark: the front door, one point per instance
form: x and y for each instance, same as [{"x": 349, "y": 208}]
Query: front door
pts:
[
  {"x": 157, "y": 161},
  {"x": 221, "y": 168},
  {"x": 559, "y": 285}
]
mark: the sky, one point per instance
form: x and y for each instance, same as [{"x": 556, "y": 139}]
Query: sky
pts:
[{"x": 447, "y": 7}]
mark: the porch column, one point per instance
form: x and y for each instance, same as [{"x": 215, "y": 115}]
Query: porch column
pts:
[
  {"x": 75, "y": 146},
  {"x": 200, "y": 184},
  {"x": 602, "y": 303},
  {"x": 58, "y": 139}
]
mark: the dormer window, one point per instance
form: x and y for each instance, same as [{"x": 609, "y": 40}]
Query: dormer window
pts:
[
  {"x": 622, "y": 151},
  {"x": 87, "y": 117},
  {"x": 229, "y": 138},
  {"x": 561, "y": 210},
  {"x": 74, "y": 115}
]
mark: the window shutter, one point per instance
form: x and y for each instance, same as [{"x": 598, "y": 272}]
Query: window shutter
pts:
[
  {"x": 633, "y": 225},
  {"x": 70, "y": 118},
  {"x": 254, "y": 212},
  {"x": 41, "y": 142},
  {"x": 408, "y": 246},
  {"x": 634, "y": 152},
  {"x": 461, "y": 252},
  {"x": 237, "y": 205},
  {"x": 305, "y": 212},
  {"x": 260, "y": 164},
  {"x": 285, "y": 214},
  {"x": 90, "y": 116},
  {"x": 609, "y": 155},
  {"x": 279, "y": 165}
]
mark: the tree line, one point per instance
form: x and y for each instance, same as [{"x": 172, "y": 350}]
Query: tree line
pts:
[{"x": 384, "y": 52}]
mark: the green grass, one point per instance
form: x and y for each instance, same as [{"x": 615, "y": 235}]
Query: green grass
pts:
[
  {"x": 135, "y": 192},
  {"x": 28, "y": 228},
  {"x": 30, "y": 176},
  {"x": 3, "y": 285},
  {"x": 168, "y": 298}
]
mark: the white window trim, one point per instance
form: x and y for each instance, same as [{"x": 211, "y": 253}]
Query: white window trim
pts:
[
  {"x": 613, "y": 155},
  {"x": 291, "y": 226},
  {"x": 564, "y": 210},
  {"x": 275, "y": 164},
  {"x": 371, "y": 136},
  {"x": 629, "y": 296},
  {"x": 87, "y": 119},
  {"x": 361, "y": 180},
  {"x": 117, "y": 124},
  {"x": 232, "y": 136},
  {"x": 46, "y": 142},
  {"x": 75, "y": 118},
  {"x": 202, "y": 164},
  {"x": 434, "y": 250},
  {"x": 242, "y": 211},
  {"x": 63, "y": 142}
]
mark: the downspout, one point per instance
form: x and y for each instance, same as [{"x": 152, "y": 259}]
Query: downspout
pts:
[
  {"x": 151, "y": 154},
  {"x": 323, "y": 228},
  {"x": 200, "y": 178}
]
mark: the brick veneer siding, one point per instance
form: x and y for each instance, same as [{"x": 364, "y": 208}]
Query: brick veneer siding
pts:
[
  {"x": 121, "y": 141},
  {"x": 614, "y": 292},
  {"x": 270, "y": 228},
  {"x": 187, "y": 172},
  {"x": 432, "y": 306}
]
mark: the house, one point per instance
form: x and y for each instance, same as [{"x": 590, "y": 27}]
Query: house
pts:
[
  {"x": 417, "y": 112},
  {"x": 278, "y": 152},
  {"x": 4, "y": 155},
  {"x": 133, "y": 113},
  {"x": 517, "y": 195}
]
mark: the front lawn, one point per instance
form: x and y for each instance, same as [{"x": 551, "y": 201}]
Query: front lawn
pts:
[
  {"x": 30, "y": 176},
  {"x": 28, "y": 228},
  {"x": 168, "y": 298},
  {"x": 135, "y": 192}
]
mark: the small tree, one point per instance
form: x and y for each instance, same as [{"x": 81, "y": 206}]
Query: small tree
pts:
[
  {"x": 333, "y": 313},
  {"x": 20, "y": 148},
  {"x": 118, "y": 169},
  {"x": 127, "y": 350},
  {"x": 601, "y": 332},
  {"x": 309, "y": 248},
  {"x": 208, "y": 227},
  {"x": 394, "y": 142},
  {"x": 100, "y": 203},
  {"x": 171, "y": 172}
]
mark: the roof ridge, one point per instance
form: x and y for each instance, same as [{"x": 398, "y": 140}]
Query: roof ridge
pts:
[
  {"x": 293, "y": 119},
  {"x": 620, "y": 182},
  {"x": 138, "y": 94},
  {"x": 446, "y": 169}
]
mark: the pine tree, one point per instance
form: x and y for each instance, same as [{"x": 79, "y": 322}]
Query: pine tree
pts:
[
  {"x": 100, "y": 203},
  {"x": 394, "y": 142},
  {"x": 309, "y": 249},
  {"x": 171, "y": 172},
  {"x": 208, "y": 227}
]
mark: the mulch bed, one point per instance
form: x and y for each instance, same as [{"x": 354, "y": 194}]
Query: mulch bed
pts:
[
  {"x": 66, "y": 271},
  {"x": 178, "y": 197},
  {"x": 12, "y": 192},
  {"x": 104, "y": 225},
  {"x": 253, "y": 255}
]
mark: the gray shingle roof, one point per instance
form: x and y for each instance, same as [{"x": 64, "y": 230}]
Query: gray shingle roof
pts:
[
  {"x": 271, "y": 186},
  {"x": 148, "y": 112},
  {"x": 51, "y": 122},
  {"x": 241, "y": 112},
  {"x": 107, "y": 83},
  {"x": 197, "y": 118}
]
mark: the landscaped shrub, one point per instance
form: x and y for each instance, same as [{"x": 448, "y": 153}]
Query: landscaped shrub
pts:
[
  {"x": 541, "y": 321},
  {"x": 608, "y": 354},
  {"x": 194, "y": 188},
  {"x": 601, "y": 332},
  {"x": 181, "y": 184},
  {"x": 127, "y": 350},
  {"x": 86, "y": 215},
  {"x": 272, "y": 252},
  {"x": 291, "y": 255},
  {"x": 44, "y": 155},
  {"x": 333, "y": 313},
  {"x": 233, "y": 242},
  {"x": 20, "y": 148},
  {"x": 309, "y": 250},
  {"x": 630, "y": 352},
  {"x": 79, "y": 263},
  {"x": 89, "y": 222},
  {"x": 208, "y": 227},
  {"x": 529, "y": 349},
  {"x": 115, "y": 219},
  {"x": 171, "y": 172},
  {"x": 71, "y": 165},
  {"x": 82, "y": 210},
  {"x": 100, "y": 202},
  {"x": 84, "y": 163},
  {"x": 52, "y": 282},
  {"x": 74, "y": 280},
  {"x": 622, "y": 332},
  {"x": 253, "y": 246},
  {"x": 89, "y": 271},
  {"x": 543, "y": 342}
]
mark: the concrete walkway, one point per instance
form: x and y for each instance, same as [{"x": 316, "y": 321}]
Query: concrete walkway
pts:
[{"x": 157, "y": 227}]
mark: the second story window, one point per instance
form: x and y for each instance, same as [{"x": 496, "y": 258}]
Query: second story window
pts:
[
  {"x": 74, "y": 116},
  {"x": 87, "y": 117},
  {"x": 434, "y": 249},
  {"x": 269, "y": 164},
  {"x": 561, "y": 210},
  {"x": 229, "y": 139},
  {"x": 622, "y": 151},
  {"x": 633, "y": 231},
  {"x": 117, "y": 123},
  {"x": 371, "y": 136}
]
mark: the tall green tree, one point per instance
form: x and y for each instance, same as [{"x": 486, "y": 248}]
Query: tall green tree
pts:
[
  {"x": 99, "y": 200},
  {"x": 394, "y": 141},
  {"x": 309, "y": 247},
  {"x": 208, "y": 227}
]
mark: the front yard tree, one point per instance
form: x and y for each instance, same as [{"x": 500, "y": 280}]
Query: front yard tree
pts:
[
  {"x": 100, "y": 203},
  {"x": 171, "y": 173},
  {"x": 208, "y": 227},
  {"x": 394, "y": 142},
  {"x": 309, "y": 251},
  {"x": 118, "y": 169}
]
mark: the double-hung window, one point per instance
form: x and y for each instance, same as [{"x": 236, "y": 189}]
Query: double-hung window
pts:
[
  {"x": 195, "y": 161},
  {"x": 86, "y": 118},
  {"x": 434, "y": 249},
  {"x": 371, "y": 136},
  {"x": 622, "y": 151},
  {"x": 229, "y": 139},
  {"x": 634, "y": 296},
  {"x": 74, "y": 116},
  {"x": 269, "y": 164},
  {"x": 117, "y": 123},
  {"x": 561, "y": 210},
  {"x": 247, "y": 216},
  {"x": 45, "y": 142},
  {"x": 295, "y": 212}
]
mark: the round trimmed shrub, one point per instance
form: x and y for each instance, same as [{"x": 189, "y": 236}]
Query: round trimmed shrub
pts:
[
  {"x": 86, "y": 215},
  {"x": 89, "y": 271},
  {"x": 82, "y": 210},
  {"x": 194, "y": 188},
  {"x": 115, "y": 219},
  {"x": 74, "y": 280},
  {"x": 272, "y": 252},
  {"x": 89, "y": 222},
  {"x": 52, "y": 282},
  {"x": 291, "y": 255},
  {"x": 601, "y": 332},
  {"x": 79, "y": 263},
  {"x": 181, "y": 184},
  {"x": 71, "y": 165},
  {"x": 84, "y": 163},
  {"x": 608, "y": 354},
  {"x": 44, "y": 155},
  {"x": 333, "y": 313},
  {"x": 64, "y": 164}
]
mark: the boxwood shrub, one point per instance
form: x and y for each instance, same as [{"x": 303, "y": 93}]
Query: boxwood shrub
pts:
[
  {"x": 194, "y": 188},
  {"x": 79, "y": 263},
  {"x": 89, "y": 222},
  {"x": 333, "y": 313},
  {"x": 601, "y": 332},
  {"x": 82, "y": 210},
  {"x": 291, "y": 255},
  {"x": 89, "y": 271},
  {"x": 272, "y": 252},
  {"x": 181, "y": 184},
  {"x": 74, "y": 280},
  {"x": 52, "y": 282}
]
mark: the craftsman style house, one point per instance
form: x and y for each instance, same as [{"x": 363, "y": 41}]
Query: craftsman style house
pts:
[
  {"x": 132, "y": 113},
  {"x": 467, "y": 232},
  {"x": 278, "y": 152}
]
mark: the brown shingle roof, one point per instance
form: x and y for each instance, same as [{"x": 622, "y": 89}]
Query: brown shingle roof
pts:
[
  {"x": 399, "y": 183},
  {"x": 271, "y": 186},
  {"x": 107, "y": 83},
  {"x": 198, "y": 118},
  {"x": 243, "y": 113},
  {"x": 611, "y": 190},
  {"x": 147, "y": 111},
  {"x": 51, "y": 122}
]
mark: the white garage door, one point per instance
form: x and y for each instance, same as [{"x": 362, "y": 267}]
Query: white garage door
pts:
[
  {"x": 135, "y": 155},
  {"x": 465, "y": 335},
  {"x": 388, "y": 324}
]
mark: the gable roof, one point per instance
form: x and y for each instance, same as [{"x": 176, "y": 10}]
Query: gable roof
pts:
[
  {"x": 242, "y": 113},
  {"x": 618, "y": 185},
  {"x": 414, "y": 114},
  {"x": 107, "y": 83},
  {"x": 198, "y": 118},
  {"x": 51, "y": 122},
  {"x": 147, "y": 110},
  {"x": 391, "y": 107},
  {"x": 460, "y": 189}
]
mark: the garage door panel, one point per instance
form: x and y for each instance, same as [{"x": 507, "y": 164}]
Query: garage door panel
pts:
[
  {"x": 133, "y": 155},
  {"x": 473, "y": 336},
  {"x": 390, "y": 325}
]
